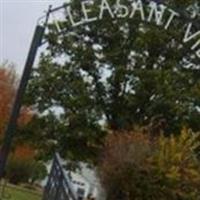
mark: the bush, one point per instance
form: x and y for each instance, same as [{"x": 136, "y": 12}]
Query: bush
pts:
[
  {"x": 133, "y": 167},
  {"x": 23, "y": 168},
  {"x": 39, "y": 171},
  {"x": 175, "y": 158}
]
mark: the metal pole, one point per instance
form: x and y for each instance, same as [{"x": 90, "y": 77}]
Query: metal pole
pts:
[{"x": 9, "y": 133}]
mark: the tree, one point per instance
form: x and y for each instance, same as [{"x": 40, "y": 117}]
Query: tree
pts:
[
  {"x": 19, "y": 167},
  {"x": 122, "y": 71},
  {"x": 23, "y": 167},
  {"x": 139, "y": 169},
  {"x": 22, "y": 162},
  {"x": 8, "y": 83}
]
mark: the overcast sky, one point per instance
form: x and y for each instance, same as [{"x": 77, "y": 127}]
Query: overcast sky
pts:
[{"x": 18, "y": 19}]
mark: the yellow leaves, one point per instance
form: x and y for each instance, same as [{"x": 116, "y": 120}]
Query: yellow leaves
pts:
[
  {"x": 175, "y": 156},
  {"x": 173, "y": 173},
  {"x": 193, "y": 173},
  {"x": 162, "y": 169}
]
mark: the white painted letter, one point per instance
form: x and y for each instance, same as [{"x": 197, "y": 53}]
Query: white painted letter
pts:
[
  {"x": 71, "y": 18},
  {"x": 188, "y": 36},
  {"x": 195, "y": 45},
  {"x": 105, "y": 6},
  {"x": 173, "y": 14},
  {"x": 86, "y": 11},
  {"x": 198, "y": 53},
  {"x": 137, "y": 6},
  {"x": 122, "y": 9},
  {"x": 189, "y": 65},
  {"x": 158, "y": 13}
]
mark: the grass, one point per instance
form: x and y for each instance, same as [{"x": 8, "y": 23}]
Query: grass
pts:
[{"x": 19, "y": 193}]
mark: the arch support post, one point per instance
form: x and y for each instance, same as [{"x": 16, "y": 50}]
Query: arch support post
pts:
[{"x": 12, "y": 123}]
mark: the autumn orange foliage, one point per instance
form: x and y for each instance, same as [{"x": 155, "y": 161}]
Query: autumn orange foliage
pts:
[
  {"x": 24, "y": 152},
  {"x": 21, "y": 164},
  {"x": 26, "y": 115},
  {"x": 7, "y": 93},
  {"x": 8, "y": 88},
  {"x": 120, "y": 147}
]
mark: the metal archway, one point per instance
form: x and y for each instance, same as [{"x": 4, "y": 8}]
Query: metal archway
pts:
[{"x": 37, "y": 41}]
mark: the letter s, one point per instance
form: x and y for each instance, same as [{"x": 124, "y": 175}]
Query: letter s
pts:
[{"x": 121, "y": 9}]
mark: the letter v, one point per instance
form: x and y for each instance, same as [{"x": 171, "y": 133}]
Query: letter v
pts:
[{"x": 188, "y": 36}]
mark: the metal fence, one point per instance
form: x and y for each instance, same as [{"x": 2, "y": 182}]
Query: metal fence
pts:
[{"x": 58, "y": 187}]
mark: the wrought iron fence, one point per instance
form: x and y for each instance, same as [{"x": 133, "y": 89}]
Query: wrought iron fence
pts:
[{"x": 58, "y": 187}]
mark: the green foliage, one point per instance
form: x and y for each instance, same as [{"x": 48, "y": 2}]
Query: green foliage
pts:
[
  {"x": 19, "y": 171},
  {"x": 124, "y": 71},
  {"x": 22, "y": 166},
  {"x": 133, "y": 167},
  {"x": 39, "y": 171},
  {"x": 25, "y": 171}
]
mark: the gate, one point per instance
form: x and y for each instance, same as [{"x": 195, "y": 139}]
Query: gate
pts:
[{"x": 58, "y": 187}]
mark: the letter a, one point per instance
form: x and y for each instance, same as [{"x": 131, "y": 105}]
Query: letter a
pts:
[
  {"x": 105, "y": 6},
  {"x": 138, "y": 6}
]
